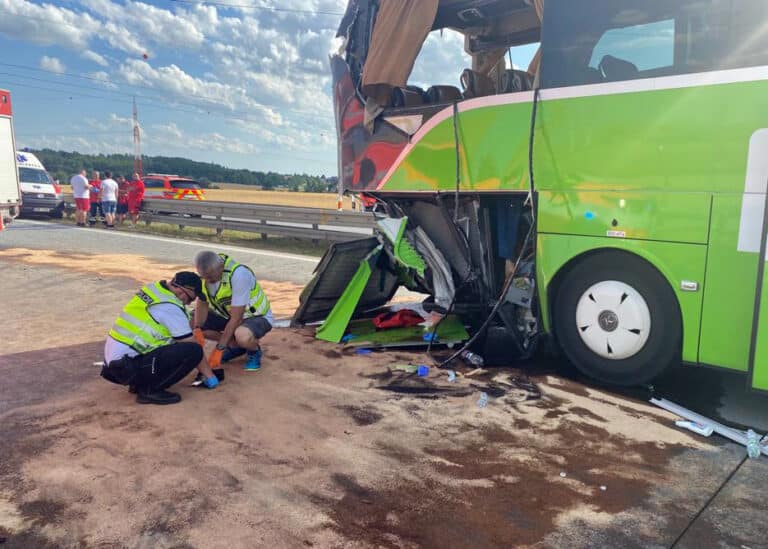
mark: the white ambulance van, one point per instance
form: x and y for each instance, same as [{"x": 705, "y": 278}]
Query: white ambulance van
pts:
[{"x": 39, "y": 194}]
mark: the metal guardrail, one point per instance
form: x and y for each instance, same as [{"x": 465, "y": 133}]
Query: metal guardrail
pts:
[{"x": 305, "y": 223}]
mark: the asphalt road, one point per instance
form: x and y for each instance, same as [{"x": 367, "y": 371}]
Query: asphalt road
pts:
[
  {"x": 25, "y": 233},
  {"x": 694, "y": 498}
]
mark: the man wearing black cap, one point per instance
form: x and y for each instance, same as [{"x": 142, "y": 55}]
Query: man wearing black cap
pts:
[{"x": 150, "y": 346}]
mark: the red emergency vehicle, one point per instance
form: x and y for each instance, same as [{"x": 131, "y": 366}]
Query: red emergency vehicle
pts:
[{"x": 10, "y": 192}]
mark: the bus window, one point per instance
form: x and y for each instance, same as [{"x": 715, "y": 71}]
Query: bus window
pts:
[
  {"x": 618, "y": 40},
  {"x": 647, "y": 47}
]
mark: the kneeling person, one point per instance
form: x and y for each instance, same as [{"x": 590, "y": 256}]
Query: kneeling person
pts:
[
  {"x": 151, "y": 346},
  {"x": 232, "y": 306}
]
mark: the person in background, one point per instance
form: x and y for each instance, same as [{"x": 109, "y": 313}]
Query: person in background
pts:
[
  {"x": 109, "y": 190},
  {"x": 232, "y": 309},
  {"x": 150, "y": 346},
  {"x": 122, "y": 199},
  {"x": 135, "y": 196},
  {"x": 80, "y": 187},
  {"x": 96, "y": 212}
]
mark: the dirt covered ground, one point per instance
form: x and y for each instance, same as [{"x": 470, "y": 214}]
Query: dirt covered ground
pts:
[{"x": 324, "y": 447}]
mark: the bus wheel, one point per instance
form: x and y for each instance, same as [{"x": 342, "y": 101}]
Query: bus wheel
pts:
[{"x": 617, "y": 319}]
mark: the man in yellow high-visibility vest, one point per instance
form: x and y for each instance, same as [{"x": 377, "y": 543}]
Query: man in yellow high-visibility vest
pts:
[
  {"x": 151, "y": 345},
  {"x": 232, "y": 309}
]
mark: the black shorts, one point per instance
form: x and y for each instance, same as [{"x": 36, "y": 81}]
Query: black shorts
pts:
[
  {"x": 258, "y": 325},
  {"x": 122, "y": 208}
]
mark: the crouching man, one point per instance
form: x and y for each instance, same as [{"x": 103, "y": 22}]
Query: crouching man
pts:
[
  {"x": 233, "y": 310},
  {"x": 151, "y": 347}
]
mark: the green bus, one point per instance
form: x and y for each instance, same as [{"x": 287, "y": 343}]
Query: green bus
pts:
[{"x": 620, "y": 180}]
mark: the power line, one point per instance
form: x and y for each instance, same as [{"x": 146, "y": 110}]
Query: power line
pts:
[
  {"x": 262, "y": 8},
  {"x": 213, "y": 102},
  {"x": 75, "y": 94},
  {"x": 83, "y": 133}
]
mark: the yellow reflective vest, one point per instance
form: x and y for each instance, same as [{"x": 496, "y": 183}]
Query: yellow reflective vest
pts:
[
  {"x": 221, "y": 301},
  {"x": 136, "y": 327}
]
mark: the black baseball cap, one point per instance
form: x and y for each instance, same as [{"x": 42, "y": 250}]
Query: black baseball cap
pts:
[{"x": 189, "y": 281}]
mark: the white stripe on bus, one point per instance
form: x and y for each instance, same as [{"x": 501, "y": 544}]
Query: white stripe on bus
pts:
[{"x": 713, "y": 78}]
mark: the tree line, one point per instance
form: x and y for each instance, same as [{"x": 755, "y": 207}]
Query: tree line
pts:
[{"x": 62, "y": 165}]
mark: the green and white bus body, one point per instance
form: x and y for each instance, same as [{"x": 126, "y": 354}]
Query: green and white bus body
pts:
[{"x": 643, "y": 143}]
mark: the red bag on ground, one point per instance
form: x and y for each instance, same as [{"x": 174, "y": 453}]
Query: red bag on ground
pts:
[{"x": 400, "y": 319}]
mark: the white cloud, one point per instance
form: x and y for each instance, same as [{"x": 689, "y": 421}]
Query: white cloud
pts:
[
  {"x": 52, "y": 64},
  {"x": 95, "y": 57},
  {"x": 173, "y": 137}
]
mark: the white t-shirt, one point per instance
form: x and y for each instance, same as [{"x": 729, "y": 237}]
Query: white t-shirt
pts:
[
  {"x": 109, "y": 190},
  {"x": 242, "y": 282},
  {"x": 167, "y": 314},
  {"x": 79, "y": 186}
]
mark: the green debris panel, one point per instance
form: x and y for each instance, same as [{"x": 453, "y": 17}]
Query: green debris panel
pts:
[
  {"x": 450, "y": 330},
  {"x": 335, "y": 324},
  {"x": 394, "y": 230}
]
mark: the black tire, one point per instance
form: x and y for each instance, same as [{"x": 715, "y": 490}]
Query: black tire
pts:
[{"x": 663, "y": 345}]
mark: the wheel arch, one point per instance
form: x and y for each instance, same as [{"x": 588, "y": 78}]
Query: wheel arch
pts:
[{"x": 651, "y": 260}]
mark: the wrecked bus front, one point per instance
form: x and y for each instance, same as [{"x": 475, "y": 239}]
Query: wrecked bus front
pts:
[
  {"x": 625, "y": 167},
  {"x": 397, "y": 136}
]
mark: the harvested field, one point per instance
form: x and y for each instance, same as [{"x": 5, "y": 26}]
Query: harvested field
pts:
[{"x": 247, "y": 194}]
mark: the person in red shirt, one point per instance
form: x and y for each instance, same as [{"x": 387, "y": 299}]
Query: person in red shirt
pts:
[
  {"x": 135, "y": 196},
  {"x": 123, "y": 188},
  {"x": 95, "y": 184}
]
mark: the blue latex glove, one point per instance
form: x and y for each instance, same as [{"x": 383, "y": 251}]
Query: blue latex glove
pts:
[{"x": 211, "y": 382}]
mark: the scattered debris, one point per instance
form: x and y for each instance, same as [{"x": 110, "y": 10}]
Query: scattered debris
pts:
[
  {"x": 603, "y": 487},
  {"x": 409, "y": 368},
  {"x": 363, "y": 351},
  {"x": 423, "y": 370},
  {"x": 698, "y": 428},
  {"x": 482, "y": 402},
  {"x": 476, "y": 372},
  {"x": 735, "y": 435},
  {"x": 451, "y": 376}
]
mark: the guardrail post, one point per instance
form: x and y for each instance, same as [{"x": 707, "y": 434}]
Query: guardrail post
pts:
[
  {"x": 219, "y": 229},
  {"x": 315, "y": 227},
  {"x": 263, "y": 235}
]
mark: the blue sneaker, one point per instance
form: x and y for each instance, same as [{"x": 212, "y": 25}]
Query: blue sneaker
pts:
[
  {"x": 231, "y": 353},
  {"x": 253, "y": 361}
]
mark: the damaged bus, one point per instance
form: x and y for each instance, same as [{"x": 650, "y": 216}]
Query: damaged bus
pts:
[{"x": 609, "y": 199}]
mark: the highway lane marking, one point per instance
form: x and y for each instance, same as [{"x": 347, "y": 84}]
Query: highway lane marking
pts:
[{"x": 223, "y": 247}]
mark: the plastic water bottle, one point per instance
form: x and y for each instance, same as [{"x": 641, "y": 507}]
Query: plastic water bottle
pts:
[
  {"x": 482, "y": 402},
  {"x": 451, "y": 376},
  {"x": 753, "y": 444},
  {"x": 473, "y": 358}
]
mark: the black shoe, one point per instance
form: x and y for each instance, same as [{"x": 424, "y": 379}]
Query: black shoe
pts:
[
  {"x": 132, "y": 389},
  {"x": 158, "y": 397}
]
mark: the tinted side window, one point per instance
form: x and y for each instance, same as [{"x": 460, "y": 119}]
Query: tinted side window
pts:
[
  {"x": 613, "y": 40},
  {"x": 184, "y": 184},
  {"x": 153, "y": 183}
]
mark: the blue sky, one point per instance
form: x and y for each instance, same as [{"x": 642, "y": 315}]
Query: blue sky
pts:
[{"x": 246, "y": 86}]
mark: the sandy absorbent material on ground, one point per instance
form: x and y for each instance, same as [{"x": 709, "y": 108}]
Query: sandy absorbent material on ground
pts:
[
  {"x": 283, "y": 295},
  {"x": 322, "y": 448},
  {"x": 326, "y": 448}
]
